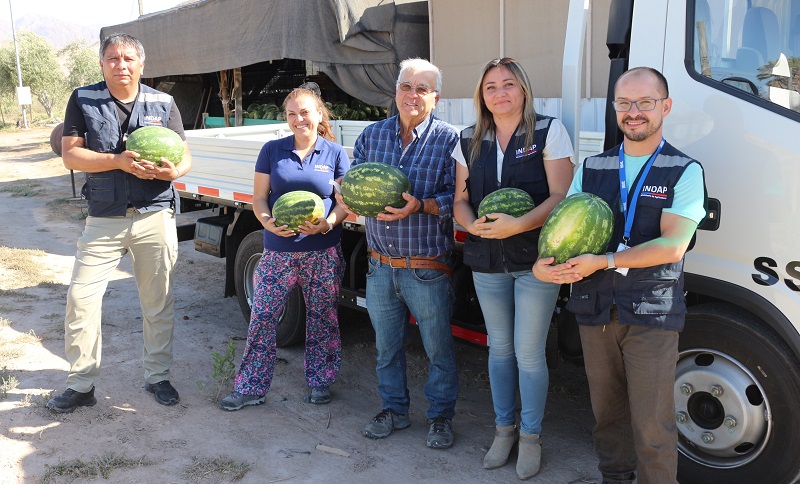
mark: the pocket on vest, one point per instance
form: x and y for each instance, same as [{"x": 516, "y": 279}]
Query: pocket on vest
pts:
[
  {"x": 660, "y": 305},
  {"x": 99, "y": 188},
  {"x": 476, "y": 254},
  {"x": 583, "y": 300}
]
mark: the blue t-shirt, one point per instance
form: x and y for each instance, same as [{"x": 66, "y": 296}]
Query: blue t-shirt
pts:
[
  {"x": 688, "y": 197},
  {"x": 287, "y": 172}
]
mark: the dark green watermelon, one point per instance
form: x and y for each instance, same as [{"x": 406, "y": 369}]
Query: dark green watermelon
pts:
[
  {"x": 297, "y": 207},
  {"x": 370, "y": 187},
  {"x": 154, "y": 142},
  {"x": 510, "y": 201},
  {"x": 582, "y": 223}
]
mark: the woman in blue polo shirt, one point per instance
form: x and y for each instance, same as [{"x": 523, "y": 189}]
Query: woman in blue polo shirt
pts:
[{"x": 312, "y": 257}]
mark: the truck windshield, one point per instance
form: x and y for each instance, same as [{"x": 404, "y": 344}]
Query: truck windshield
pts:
[{"x": 751, "y": 45}]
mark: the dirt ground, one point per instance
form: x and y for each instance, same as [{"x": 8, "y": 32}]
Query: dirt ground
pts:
[{"x": 128, "y": 437}]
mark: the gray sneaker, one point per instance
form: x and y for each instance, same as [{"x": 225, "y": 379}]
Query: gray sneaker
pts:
[
  {"x": 318, "y": 396},
  {"x": 236, "y": 401},
  {"x": 440, "y": 435},
  {"x": 384, "y": 423}
]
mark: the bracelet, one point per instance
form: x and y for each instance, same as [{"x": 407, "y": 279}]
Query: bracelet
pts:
[
  {"x": 330, "y": 225},
  {"x": 421, "y": 206},
  {"x": 177, "y": 173}
]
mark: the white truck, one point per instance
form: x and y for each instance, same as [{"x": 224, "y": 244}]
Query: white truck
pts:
[{"x": 733, "y": 68}]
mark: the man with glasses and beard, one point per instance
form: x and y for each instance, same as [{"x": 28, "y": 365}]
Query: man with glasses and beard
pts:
[{"x": 630, "y": 302}]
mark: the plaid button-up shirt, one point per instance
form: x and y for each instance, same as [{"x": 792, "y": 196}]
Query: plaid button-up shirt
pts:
[{"x": 430, "y": 168}]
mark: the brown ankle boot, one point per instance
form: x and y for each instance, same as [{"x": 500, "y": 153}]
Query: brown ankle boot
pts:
[
  {"x": 530, "y": 455},
  {"x": 504, "y": 439}
]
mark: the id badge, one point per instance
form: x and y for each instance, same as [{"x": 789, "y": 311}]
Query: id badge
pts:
[{"x": 620, "y": 248}]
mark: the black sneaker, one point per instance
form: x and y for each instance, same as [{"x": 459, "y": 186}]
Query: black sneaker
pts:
[
  {"x": 164, "y": 392},
  {"x": 68, "y": 401},
  {"x": 440, "y": 435}
]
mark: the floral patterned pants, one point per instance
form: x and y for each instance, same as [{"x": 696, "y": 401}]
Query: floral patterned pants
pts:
[{"x": 319, "y": 274}]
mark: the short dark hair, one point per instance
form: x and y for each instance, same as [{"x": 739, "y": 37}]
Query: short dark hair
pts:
[
  {"x": 124, "y": 40},
  {"x": 663, "y": 85}
]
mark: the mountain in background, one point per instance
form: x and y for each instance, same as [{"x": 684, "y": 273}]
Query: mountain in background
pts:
[{"x": 56, "y": 31}]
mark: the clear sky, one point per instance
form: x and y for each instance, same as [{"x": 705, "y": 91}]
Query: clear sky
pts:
[{"x": 83, "y": 12}]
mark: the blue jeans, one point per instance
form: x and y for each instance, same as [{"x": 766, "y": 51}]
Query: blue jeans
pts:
[
  {"x": 428, "y": 295},
  {"x": 517, "y": 309}
]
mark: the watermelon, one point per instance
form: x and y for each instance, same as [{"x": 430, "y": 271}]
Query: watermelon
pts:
[
  {"x": 370, "y": 187},
  {"x": 154, "y": 142},
  {"x": 582, "y": 223},
  {"x": 297, "y": 207},
  {"x": 511, "y": 201}
]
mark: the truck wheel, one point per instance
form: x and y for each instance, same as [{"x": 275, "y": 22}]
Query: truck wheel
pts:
[
  {"x": 737, "y": 385},
  {"x": 292, "y": 323}
]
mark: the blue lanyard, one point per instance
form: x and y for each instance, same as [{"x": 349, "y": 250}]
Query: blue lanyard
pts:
[{"x": 629, "y": 214}]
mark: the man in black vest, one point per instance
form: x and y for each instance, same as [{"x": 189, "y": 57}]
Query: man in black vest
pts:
[
  {"x": 132, "y": 206},
  {"x": 630, "y": 301}
]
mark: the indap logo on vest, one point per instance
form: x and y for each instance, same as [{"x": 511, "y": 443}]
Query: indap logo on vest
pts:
[
  {"x": 153, "y": 121},
  {"x": 654, "y": 191}
]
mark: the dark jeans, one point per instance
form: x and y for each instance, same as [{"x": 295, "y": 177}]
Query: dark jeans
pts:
[{"x": 631, "y": 373}]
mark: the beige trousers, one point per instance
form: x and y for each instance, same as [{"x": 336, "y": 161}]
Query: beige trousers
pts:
[{"x": 152, "y": 240}]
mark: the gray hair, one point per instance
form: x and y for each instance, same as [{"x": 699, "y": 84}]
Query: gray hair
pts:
[
  {"x": 420, "y": 65},
  {"x": 124, "y": 40}
]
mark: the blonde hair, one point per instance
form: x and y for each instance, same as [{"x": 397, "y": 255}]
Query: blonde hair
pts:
[
  {"x": 485, "y": 122},
  {"x": 324, "y": 128}
]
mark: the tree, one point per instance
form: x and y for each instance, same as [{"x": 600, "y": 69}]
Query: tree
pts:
[
  {"x": 40, "y": 69},
  {"x": 82, "y": 65}
]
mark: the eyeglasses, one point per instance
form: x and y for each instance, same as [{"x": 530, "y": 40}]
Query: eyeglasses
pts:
[
  {"x": 420, "y": 90},
  {"x": 641, "y": 105}
]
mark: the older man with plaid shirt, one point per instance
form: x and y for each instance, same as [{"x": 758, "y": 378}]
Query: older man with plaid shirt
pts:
[{"x": 410, "y": 254}]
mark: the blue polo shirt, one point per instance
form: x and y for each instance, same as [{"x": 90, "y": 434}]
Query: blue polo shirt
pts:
[{"x": 287, "y": 172}]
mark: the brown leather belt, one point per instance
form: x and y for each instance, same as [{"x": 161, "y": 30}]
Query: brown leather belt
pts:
[{"x": 412, "y": 262}]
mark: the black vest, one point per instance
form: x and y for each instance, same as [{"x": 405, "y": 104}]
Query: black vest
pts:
[
  {"x": 523, "y": 168},
  {"x": 650, "y": 296},
  {"x": 109, "y": 193}
]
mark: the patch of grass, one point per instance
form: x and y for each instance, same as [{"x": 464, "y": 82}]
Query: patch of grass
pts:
[
  {"x": 215, "y": 470},
  {"x": 101, "y": 465},
  {"x": 23, "y": 188},
  {"x": 4, "y": 323},
  {"x": 68, "y": 208},
  {"x": 10, "y": 349},
  {"x": 15, "y": 294},
  {"x": 28, "y": 338},
  {"x": 37, "y": 401},
  {"x": 25, "y": 269},
  {"x": 8, "y": 382},
  {"x": 223, "y": 371}
]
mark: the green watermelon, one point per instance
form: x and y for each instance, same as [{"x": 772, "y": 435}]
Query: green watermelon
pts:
[
  {"x": 370, "y": 187},
  {"x": 154, "y": 142},
  {"x": 297, "y": 207},
  {"x": 511, "y": 201},
  {"x": 582, "y": 223}
]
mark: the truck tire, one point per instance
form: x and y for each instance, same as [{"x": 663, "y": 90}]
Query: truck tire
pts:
[
  {"x": 737, "y": 385},
  {"x": 292, "y": 324}
]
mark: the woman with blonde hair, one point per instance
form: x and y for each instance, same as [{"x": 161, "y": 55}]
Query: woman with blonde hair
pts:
[{"x": 511, "y": 146}]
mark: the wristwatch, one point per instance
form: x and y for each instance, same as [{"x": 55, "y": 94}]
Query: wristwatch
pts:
[{"x": 610, "y": 259}]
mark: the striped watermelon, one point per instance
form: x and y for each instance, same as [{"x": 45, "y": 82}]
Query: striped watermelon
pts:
[
  {"x": 511, "y": 201},
  {"x": 154, "y": 142},
  {"x": 582, "y": 223},
  {"x": 370, "y": 187},
  {"x": 297, "y": 207}
]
